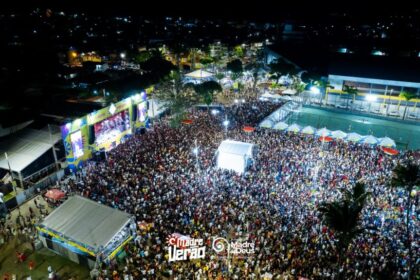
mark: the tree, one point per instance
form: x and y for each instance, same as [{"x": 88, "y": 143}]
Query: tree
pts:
[
  {"x": 219, "y": 76},
  {"x": 343, "y": 218},
  {"x": 407, "y": 96},
  {"x": 351, "y": 93},
  {"x": 407, "y": 177},
  {"x": 324, "y": 85},
  {"x": 178, "y": 98},
  {"x": 239, "y": 51},
  {"x": 235, "y": 66},
  {"x": 206, "y": 92},
  {"x": 143, "y": 56}
]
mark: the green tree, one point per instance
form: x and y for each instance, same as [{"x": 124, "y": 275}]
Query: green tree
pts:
[
  {"x": 407, "y": 177},
  {"x": 238, "y": 50},
  {"x": 206, "y": 92},
  {"x": 235, "y": 66},
  {"x": 143, "y": 56},
  {"x": 343, "y": 217},
  {"x": 407, "y": 96},
  {"x": 219, "y": 76},
  {"x": 351, "y": 93}
]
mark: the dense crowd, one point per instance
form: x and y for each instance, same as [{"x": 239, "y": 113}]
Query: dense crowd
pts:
[{"x": 274, "y": 204}]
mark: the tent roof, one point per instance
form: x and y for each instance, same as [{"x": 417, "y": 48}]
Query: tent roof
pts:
[
  {"x": 25, "y": 147},
  {"x": 289, "y": 91},
  {"x": 199, "y": 74},
  {"x": 235, "y": 147},
  {"x": 87, "y": 222}
]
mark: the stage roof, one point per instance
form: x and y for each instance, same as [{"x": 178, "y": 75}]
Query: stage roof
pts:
[
  {"x": 235, "y": 147},
  {"x": 86, "y": 222},
  {"x": 24, "y": 147},
  {"x": 199, "y": 74}
]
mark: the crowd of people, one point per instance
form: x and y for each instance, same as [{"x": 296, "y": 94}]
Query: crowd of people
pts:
[{"x": 274, "y": 204}]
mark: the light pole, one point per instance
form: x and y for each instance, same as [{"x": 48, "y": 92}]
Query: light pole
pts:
[
  {"x": 371, "y": 98},
  {"x": 226, "y": 123},
  {"x": 315, "y": 90},
  {"x": 389, "y": 102},
  {"x": 53, "y": 148},
  {"x": 195, "y": 151},
  {"x": 10, "y": 170}
]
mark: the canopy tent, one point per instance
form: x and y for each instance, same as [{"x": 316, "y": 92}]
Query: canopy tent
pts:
[
  {"x": 280, "y": 125},
  {"x": 86, "y": 222},
  {"x": 270, "y": 96},
  {"x": 325, "y": 139},
  {"x": 234, "y": 155},
  {"x": 370, "y": 140},
  {"x": 338, "y": 134},
  {"x": 308, "y": 130},
  {"x": 199, "y": 74},
  {"x": 323, "y": 132},
  {"x": 294, "y": 128},
  {"x": 353, "y": 136},
  {"x": 390, "y": 151},
  {"x": 266, "y": 124},
  {"x": 248, "y": 128},
  {"x": 289, "y": 91},
  {"x": 55, "y": 194},
  {"x": 24, "y": 147},
  {"x": 386, "y": 142}
]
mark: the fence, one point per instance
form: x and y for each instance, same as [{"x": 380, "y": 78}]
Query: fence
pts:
[{"x": 31, "y": 191}]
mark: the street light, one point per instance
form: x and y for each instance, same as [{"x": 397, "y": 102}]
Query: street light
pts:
[
  {"x": 226, "y": 123},
  {"x": 195, "y": 151},
  {"x": 370, "y": 98}
]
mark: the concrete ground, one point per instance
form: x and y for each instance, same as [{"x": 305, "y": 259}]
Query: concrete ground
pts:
[{"x": 64, "y": 268}]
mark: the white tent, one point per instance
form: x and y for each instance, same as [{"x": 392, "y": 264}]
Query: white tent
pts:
[
  {"x": 289, "y": 91},
  {"x": 308, "y": 130},
  {"x": 294, "y": 128},
  {"x": 370, "y": 140},
  {"x": 234, "y": 155},
  {"x": 280, "y": 125},
  {"x": 266, "y": 124},
  {"x": 386, "y": 142},
  {"x": 271, "y": 96},
  {"x": 323, "y": 132},
  {"x": 338, "y": 134},
  {"x": 353, "y": 136},
  {"x": 199, "y": 74}
]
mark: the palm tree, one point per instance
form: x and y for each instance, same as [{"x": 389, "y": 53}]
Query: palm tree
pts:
[
  {"x": 206, "y": 92},
  {"x": 407, "y": 177},
  {"x": 324, "y": 85},
  {"x": 407, "y": 96},
  {"x": 351, "y": 93},
  {"x": 343, "y": 218}
]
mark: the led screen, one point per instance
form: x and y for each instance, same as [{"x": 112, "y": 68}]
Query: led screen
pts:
[
  {"x": 77, "y": 143},
  {"x": 109, "y": 129}
]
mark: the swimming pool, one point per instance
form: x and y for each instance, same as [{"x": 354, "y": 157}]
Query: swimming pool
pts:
[{"x": 406, "y": 135}]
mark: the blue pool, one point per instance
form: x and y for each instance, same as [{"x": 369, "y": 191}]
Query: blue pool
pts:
[{"x": 406, "y": 135}]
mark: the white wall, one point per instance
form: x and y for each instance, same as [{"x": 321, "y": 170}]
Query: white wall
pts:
[{"x": 231, "y": 162}]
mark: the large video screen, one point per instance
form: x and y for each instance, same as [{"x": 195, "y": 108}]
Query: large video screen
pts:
[
  {"x": 76, "y": 140},
  {"x": 142, "y": 111},
  {"x": 109, "y": 129}
]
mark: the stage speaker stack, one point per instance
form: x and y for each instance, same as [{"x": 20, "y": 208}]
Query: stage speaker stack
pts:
[
  {"x": 134, "y": 115},
  {"x": 91, "y": 134}
]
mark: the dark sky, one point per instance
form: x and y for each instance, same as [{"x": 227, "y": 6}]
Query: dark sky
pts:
[{"x": 235, "y": 9}]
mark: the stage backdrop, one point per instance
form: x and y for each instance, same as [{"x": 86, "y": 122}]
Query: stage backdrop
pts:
[{"x": 103, "y": 129}]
